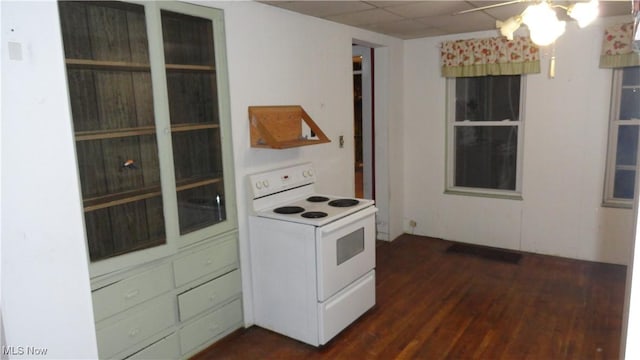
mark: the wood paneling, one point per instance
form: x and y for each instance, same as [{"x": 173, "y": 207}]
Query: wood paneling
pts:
[
  {"x": 195, "y": 118},
  {"x": 187, "y": 39},
  {"x": 124, "y": 228},
  {"x": 437, "y": 305},
  {"x": 192, "y": 97},
  {"x": 106, "y": 49}
]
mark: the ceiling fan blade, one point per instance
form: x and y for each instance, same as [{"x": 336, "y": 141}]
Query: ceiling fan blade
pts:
[{"x": 490, "y": 6}]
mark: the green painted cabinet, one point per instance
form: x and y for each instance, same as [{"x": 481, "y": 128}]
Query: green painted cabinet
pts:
[{"x": 148, "y": 91}]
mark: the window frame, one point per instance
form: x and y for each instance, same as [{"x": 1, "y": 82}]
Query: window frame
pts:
[
  {"x": 451, "y": 124},
  {"x": 609, "y": 200}
]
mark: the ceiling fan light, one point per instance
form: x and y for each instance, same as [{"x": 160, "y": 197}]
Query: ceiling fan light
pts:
[
  {"x": 539, "y": 15},
  {"x": 584, "y": 13},
  {"x": 508, "y": 27},
  {"x": 543, "y": 36},
  {"x": 542, "y": 21}
]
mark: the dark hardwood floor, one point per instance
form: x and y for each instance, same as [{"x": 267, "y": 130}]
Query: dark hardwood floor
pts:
[{"x": 437, "y": 305}]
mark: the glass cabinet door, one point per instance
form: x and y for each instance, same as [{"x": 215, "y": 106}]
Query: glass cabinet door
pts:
[
  {"x": 109, "y": 76},
  {"x": 195, "y": 120},
  {"x": 148, "y": 132}
]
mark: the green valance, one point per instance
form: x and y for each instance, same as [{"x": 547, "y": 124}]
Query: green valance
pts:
[
  {"x": 490, "y": 56},
  {"x": 617, "y": 47}
]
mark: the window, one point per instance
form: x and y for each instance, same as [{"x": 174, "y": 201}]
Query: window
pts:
[
  {"x": 485, "y": 135},
  {"x": 623, "y": 137}
]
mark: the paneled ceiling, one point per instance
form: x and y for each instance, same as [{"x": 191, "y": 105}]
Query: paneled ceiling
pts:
[{"x": 416, "y": 19}]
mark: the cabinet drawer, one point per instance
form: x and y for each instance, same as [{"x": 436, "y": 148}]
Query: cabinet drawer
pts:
[
  {"x": 208, "y": 294},
  {"x": 208, "y": 327},
  {"x": 153, "y": 317},
  {"x": 129, "y": 292},
  {"x": 205, "y": 261},
  {"x": 166, "y": 348}
]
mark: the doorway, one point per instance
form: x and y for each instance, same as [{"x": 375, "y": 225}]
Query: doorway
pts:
[{"x": 363, "y": 127}]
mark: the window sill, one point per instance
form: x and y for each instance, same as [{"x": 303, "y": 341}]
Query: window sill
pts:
[
  {"x": 486, "y": 193},
  {"x": 617, "y": 205}
]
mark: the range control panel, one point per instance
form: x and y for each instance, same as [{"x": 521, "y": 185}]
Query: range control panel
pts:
[{"x": 273, "y": 181}]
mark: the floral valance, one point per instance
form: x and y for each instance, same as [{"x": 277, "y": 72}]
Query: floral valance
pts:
[
  {"x": 490, "y": 56},
  {"x": 617, "y": 47}
]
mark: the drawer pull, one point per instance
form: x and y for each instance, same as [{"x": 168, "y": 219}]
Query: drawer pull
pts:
[
  {"x": 209, "y": 261},
  {"x": 214, "y": 328},
  {"x": 213, "y": 297},
  {"x": 131, "y": 294},
  {"x": 134, "y": 332}
]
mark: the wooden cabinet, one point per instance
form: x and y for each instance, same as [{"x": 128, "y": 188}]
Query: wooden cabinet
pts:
[
  {"x": 149, "y": 98},
  {"x": 283, "y": 127},
  {"x": 113, "y": 116},
  {"x": 148, "y": 91},
  {"x": 194, "y": 296}
]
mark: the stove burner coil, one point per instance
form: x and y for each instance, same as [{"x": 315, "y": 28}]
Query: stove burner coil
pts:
[
  {"x": 314, "y": 214},
  {"x": 343, "y": 202},
  {"x": 316, "y": 199},
  {"x": 288, "y": 210}
]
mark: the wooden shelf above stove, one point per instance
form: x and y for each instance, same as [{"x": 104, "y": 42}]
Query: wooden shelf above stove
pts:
[{"x": 281, "y": 127}]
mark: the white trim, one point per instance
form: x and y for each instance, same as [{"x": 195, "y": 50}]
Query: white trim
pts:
[
  {"x": 614, "y": 124},
  {"x": 367, "y": 123},
  {"x": 450, "y": 187}
]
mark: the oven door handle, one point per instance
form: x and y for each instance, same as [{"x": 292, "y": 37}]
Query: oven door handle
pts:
[{"x": 349, "y": 219}]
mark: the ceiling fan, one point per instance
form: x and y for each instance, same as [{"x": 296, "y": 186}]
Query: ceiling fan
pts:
[
  {"x": 541, "y": 19},
  {"x": 491, "y": 6}
]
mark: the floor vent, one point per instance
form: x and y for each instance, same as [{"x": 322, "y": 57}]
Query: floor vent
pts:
[{"x": 486, "y": 253}]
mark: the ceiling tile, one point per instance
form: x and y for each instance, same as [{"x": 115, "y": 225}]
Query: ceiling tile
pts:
[
  {"x": 428, "y": 8},
  {"x": 384, "y": 4},
  {"x": 323, "y": 8},
  {"x": 365, "y": 17},
  {"x": 431, "y": 18},
  {"x": 469, "y": 22},
  {"x": 613, "y": 8},
  {"x": 404, "y": 29},
  {"x": 505, "y": 12},
  {"x": 497, "y": 4}
]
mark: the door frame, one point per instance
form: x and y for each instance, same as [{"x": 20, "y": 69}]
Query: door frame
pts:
[{"x": 368, "y": 128}]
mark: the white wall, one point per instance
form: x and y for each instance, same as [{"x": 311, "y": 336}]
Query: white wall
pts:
[
  {"x": 565, "y": 143},
  {"x": 277, "y": 57},
  {"x": 46, "y": 298}
]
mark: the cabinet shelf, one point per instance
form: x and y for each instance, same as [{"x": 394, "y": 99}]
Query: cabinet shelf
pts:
[
  {"x": 107, "y": 65},
  {"x": 280, "y": 127},
  {"x": 114, "y": 133},
  {"x": 186, "y": 67},
  {"x": 138, "y": 131},
  {"x": 121, "y": 198},
  {"x": 193, "y": 127},
  {"x": 195, "y": 182},
  {"x": 132, "y": 66},
  {"x": 141, "y": 246}
]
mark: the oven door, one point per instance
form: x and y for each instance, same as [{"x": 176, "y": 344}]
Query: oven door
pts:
[{"x": 345, "y": 251}]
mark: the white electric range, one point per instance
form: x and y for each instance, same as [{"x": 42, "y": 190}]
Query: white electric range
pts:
[{"x": 312, "y": 255}]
